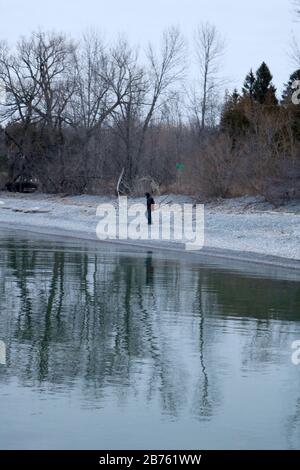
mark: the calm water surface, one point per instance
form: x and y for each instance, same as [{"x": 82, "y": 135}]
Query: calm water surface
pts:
[{"x": 110, "y": 348}]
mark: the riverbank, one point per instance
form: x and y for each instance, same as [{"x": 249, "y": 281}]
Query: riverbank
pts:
[{"x": 245, "y": 229}]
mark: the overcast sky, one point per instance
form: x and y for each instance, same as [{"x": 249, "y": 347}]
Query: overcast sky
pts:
[{"x": 255, "y": 31}]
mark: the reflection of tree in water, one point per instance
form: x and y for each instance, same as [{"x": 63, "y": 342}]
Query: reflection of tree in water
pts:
[
  {"x": 202, "y": 400},
  {"x": 121, "y": 322},
  {"x": 293, "y": 426}
]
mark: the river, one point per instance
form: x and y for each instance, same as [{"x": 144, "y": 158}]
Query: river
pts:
[{"x": 108, "y": 347}]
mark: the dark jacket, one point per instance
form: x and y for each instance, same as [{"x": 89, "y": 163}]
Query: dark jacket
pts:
[{"x": 150, "y": 201}]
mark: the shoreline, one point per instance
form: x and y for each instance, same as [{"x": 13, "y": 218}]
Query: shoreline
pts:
[
  {"x": 237, "y": 260},
  {"x": 55, "y": 217}
]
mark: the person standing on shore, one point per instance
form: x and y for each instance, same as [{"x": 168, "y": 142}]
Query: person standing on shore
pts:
[{"x": 150, "y": 207}]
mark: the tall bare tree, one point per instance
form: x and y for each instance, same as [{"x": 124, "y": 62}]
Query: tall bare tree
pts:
[
  {"x": 102, "y": 80},
  {"x": 38, "y": 78},
  {"x": 39, "y": 82},
  {"x": 209, "y": 49},
  {"x": 148, "y": 90},
  {"x": 296, "y": 4},
  {"x": 102, "y": 84}
]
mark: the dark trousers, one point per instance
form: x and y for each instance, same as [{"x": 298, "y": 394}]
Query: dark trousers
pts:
[{"x": 149, "y": 213}]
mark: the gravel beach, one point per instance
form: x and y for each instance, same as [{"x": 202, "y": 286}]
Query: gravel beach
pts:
[{"x": 243, "y": 228}]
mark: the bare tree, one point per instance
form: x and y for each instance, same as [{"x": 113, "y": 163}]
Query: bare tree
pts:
[
  {"x": 165, "y": 71},
  {"x": 296, "y": 4},
  {"x": 209, "y": 50},
  {"x": 39, "y": 79},
  {"x": 39, "y": 82},
  {"x": 295, "y": 52},
  {"x": 149, "y": 88},
  {"x": 295, "y": 48},
  {"x": 102, "y": 84},
  {"x": 102, "y": 80}
]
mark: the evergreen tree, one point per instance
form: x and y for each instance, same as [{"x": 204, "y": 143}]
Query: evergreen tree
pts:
[
  {"x": 234, "y": 98},
  {"x": 264, "y": 91},
  {"x": 248, "y": 89},
  {"x": 233, "y": 119}
]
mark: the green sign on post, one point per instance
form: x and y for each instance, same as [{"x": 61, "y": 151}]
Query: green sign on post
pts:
[{"x": 180, "y": 166}]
